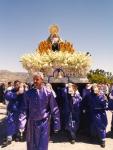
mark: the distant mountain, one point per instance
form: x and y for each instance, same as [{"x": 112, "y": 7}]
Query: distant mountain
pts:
[{"x": 6, "y": 76}]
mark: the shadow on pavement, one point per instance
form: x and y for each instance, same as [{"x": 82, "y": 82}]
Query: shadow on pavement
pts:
[{"x": 62, "y": 137}]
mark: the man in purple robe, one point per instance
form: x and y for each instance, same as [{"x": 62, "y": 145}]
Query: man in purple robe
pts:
[
  {"x": 14, "y": 109},
  {"x": 74, "y": 112},
  {"x": 39, "y": 105},
  {"x": 98, "y": 117},
  {"x": 84, "y": 107},
  {"x": 110, "y": 107}
]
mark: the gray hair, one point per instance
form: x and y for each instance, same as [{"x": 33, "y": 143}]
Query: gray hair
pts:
[{"x": 38, "y": 74}]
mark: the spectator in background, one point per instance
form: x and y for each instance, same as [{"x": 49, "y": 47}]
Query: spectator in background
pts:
[
  {"x": 9, "y": 88},
  {"x": 2, "y": 91}
]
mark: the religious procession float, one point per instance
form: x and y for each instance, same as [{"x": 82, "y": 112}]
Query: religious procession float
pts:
[{"x": 58, "y": 60}]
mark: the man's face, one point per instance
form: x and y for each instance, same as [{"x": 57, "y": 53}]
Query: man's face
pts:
[
  {"x": 96, "y": 90},
  {"x": 88, "y": 86},
  {"x": 17, "y": 85},
  {"x": 37, "y": 81}
]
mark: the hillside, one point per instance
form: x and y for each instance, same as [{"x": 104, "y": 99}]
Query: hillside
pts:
[{"x": 6, "y": 76}]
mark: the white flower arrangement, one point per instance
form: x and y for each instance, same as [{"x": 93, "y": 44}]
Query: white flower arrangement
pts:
[{"x": 75, "y": 64}]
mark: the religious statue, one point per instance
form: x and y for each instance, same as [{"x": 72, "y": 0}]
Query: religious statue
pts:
[
  {"x": 54, "y": 42},
  {"x": 54, "y": 38}
]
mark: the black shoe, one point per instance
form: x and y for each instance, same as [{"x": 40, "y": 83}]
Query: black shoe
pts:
[
  {"x": 102, "y": 144},
  {"x": 6, "y": 143},
  {"x": 72, "y": 141},
  {"x": 17, "y": 139},
  {"x": 91, "y": 139},
  {"x": 112, "y": 129},
  {"x": 22, "y": 139}
]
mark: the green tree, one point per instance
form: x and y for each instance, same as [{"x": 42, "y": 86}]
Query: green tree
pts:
[{"x": 100, "y": 76}]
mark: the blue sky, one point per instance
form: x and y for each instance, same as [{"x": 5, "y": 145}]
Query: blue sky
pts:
[{"x": 88, "y": 24}]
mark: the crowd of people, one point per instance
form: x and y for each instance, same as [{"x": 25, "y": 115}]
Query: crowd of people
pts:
[{"x": 33, "y": 110}]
